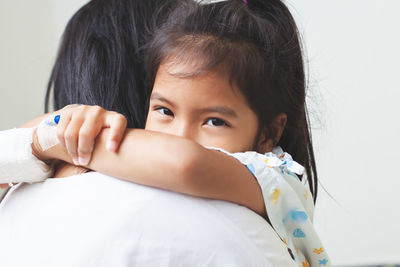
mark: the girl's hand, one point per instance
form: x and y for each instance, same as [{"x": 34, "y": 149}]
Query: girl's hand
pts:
[{"x": 79, "y": 126}]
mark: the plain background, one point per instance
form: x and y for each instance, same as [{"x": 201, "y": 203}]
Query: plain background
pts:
[{"x": 353, "y": 59}]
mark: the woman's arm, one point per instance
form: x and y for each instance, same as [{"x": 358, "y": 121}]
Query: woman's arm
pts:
[{"x": 172, "y": 163}]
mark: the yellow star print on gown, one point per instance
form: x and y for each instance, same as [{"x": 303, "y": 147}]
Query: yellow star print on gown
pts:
[{"x": 288, "y": 202}]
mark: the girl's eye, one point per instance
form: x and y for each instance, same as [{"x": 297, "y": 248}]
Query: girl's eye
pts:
[
  {"x": 165, "y": 111},
  {"x": 216, "y": 122}
]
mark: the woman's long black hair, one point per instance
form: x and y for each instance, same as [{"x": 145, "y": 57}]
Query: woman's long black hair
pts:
[
  {"x": 258, "y": 46},
  {"x": 101, "y": 57}
]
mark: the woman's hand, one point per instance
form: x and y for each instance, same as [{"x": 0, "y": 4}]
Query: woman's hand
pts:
[{"x": 79, "y": 126}]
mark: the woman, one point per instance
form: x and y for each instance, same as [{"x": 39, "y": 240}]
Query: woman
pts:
[{"x": 94, "y": 220}]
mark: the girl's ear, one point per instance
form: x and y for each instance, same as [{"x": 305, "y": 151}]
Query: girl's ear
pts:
[{"x": 268, "y": 140}]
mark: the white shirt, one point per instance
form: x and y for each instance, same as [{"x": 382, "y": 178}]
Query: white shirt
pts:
[{"x": 96, "y": 220}]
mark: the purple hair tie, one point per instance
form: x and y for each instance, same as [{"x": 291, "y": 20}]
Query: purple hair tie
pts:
[{"x": 245, "y": 1}]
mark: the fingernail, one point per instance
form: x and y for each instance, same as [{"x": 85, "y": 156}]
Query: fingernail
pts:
[
  {"x": 83, "y": 161},
  {"x": 75, "y": 160},
  {"x": 111, "y": 146}
]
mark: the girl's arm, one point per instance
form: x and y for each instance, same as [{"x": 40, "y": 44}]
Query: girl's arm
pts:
[
  {"x": 34, "y": 122},
  {"x": 117, "y": 127},
  {"x": 172, "y": 163},
  {"x": 30, "y": 124}
]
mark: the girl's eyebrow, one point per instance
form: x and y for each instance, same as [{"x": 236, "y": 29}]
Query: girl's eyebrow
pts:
[
  {"x": 220, "y": 109},
  {"x": 157, "y": 96}
]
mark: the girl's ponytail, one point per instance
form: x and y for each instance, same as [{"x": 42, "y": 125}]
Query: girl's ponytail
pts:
[{"x": 290, "y": 77}]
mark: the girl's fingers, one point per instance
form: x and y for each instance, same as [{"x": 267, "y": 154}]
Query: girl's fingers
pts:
[
  {"x": 71, "y": 135},
  {"x": 117, "y": 124},
  {"x": 79, "y": 125},
  {"x": 87, "y": 134},
  {"x": 65, "y": 118}
]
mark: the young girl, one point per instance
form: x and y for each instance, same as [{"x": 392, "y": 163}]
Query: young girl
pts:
[{"x": 230, "y": 76}]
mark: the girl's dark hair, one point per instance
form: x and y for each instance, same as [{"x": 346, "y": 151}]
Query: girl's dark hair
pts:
[
  {"x": 101, "y": 57},
  {"x": 258, "y": 46}
]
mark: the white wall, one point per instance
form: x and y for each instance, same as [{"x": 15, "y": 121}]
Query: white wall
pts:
[
  {"x": 353, "y": 49},
  {"x": 29, "y": 36},
  {"x": 353, "y": 53},
  {"x": 26, "y": 49}
]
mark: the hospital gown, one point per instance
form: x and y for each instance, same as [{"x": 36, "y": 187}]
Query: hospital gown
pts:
[{"x": 288, "y": 202}]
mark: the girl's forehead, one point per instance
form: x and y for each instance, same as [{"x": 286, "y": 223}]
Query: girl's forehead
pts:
[
  {"x": 215, "y": 79},
  {"x": 208, "y": 88}
]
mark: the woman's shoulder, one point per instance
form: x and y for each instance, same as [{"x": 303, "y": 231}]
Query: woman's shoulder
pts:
[{"x": 148, "y": 221}]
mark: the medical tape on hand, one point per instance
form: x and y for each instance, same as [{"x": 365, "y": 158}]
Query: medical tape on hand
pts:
[
  {"x": 47, "y": 132},
  {"x": 17, "y": 163}
]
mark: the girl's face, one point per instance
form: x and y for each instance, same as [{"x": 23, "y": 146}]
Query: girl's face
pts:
[{"x": 205, "y": 109}]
